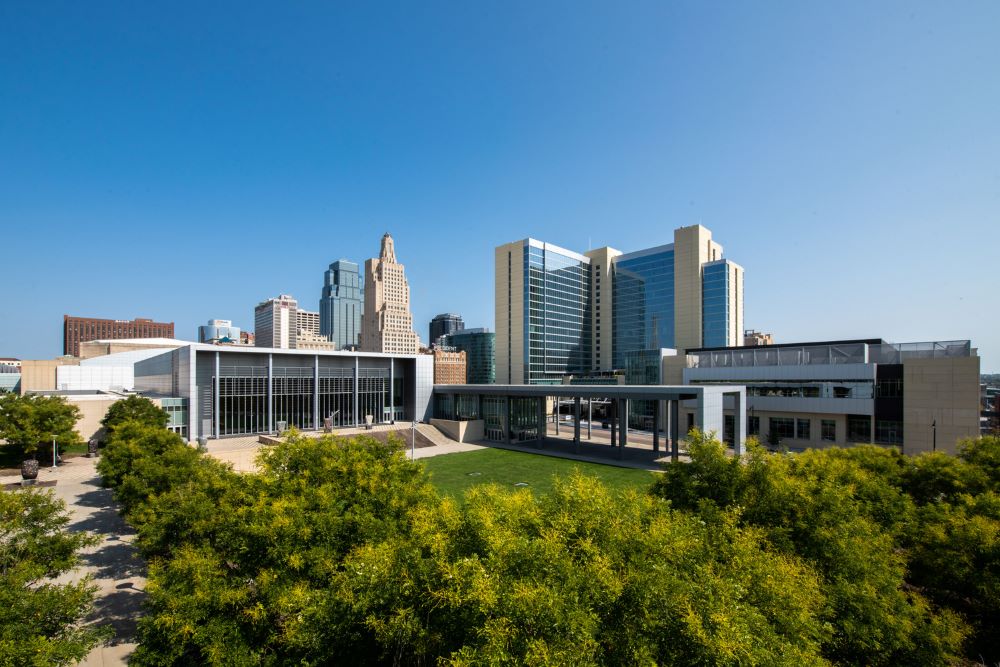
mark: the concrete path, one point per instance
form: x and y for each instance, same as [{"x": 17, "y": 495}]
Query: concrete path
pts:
[{"x": 117, "y": 570}]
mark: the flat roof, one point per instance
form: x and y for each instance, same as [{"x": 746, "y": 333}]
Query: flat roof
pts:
[
  {"x": 869, "y": 341},
  {"x": 251, "y": 349},
  {"x": 650, "y": 392}
]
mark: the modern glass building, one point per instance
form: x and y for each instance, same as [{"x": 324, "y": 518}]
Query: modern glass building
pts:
[
  {"x": 549, "y": 304},
  {"x": 557, "y": 312},
  {"x": 246, "y": 391},
  {"x": 643, "y": 305},
  {"x": 721, "y": 301},
  {"x": 444, "y": 324},
  {"x": 218, "y": 331},
  {"x": 479, "y": 346},
  {"x": 341, "y": 304}
]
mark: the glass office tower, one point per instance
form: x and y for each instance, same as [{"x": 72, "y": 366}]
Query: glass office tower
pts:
[
  {"x": 643, "y": 305},
  {"x": 557, "y": 313},
  {"x": 719, "y": 304},
  {"x": 341, "y": 304},
  {"x": 479, "y": 346}
]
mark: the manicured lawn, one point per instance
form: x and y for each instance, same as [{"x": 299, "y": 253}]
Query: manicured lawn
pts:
[{"x": 453, "y": 474}]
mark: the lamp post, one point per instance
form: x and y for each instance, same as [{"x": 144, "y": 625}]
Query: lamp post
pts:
[
  {"x": 55, "y": 461},
  {"x": 413, "y": 440},
  {"x": 934, "y": 432}
]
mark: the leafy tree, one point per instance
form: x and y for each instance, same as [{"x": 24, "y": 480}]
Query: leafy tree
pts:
[
  {"x": 29, "y": 422},
  {"x": 841, "y": 518},
  {"x": 41, "y": 622},
  {"x": 136, "y": 409}
]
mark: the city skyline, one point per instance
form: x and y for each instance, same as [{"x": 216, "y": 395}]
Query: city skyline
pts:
[{"x": 845, "y": 154}]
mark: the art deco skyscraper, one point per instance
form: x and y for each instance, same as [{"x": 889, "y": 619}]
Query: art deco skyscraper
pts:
[{"x": 386, "y": 323}]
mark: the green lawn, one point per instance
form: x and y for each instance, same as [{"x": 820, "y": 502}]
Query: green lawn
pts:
[{"x": 453, "y": 474}]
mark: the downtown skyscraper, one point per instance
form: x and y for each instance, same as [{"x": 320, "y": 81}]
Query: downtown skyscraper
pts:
[
  {"x": 559, "y": 312},
  {"x": 387, "y": 323},
  {"x": 341, "y": 304}
]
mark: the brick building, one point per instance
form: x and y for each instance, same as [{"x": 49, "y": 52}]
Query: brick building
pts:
[{"x": 78, "y": 330}]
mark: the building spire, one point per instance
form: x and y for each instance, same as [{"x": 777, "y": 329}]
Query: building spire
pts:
[{"x": 388, "y": 253}]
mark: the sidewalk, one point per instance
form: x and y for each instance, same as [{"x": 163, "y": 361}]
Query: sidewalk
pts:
[{"x": 117, "y": 570}]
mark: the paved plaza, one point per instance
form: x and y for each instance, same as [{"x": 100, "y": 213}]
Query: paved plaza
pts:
[{"x": 114, "y": 565}]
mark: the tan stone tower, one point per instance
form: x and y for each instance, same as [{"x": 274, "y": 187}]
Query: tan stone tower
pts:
[{"x": 386, "y": 323}]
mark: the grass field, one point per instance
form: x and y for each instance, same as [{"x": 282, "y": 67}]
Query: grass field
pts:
[{"x": 453, "y": 474}]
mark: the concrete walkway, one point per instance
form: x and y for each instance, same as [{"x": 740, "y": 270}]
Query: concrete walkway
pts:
[
  {"x": 117, "y": 570},
  {"x": 242, "y": 452}
]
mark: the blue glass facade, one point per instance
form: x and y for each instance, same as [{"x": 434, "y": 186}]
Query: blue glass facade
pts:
[
  {"x": 480, "y": 352},
  {"x": 715, "y": 311},
  {"x": 643, "y": 305},
  {"x": 557, "y": 314},
  {"x": 341, "y": 304}
]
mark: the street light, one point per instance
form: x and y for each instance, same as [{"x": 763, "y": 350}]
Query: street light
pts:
[
  {"x": 413, "y": 440},
  {"x": 934, "y": 431}
]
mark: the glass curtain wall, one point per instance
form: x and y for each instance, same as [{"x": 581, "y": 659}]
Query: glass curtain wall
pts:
[
  {"x": 292, "y": 392},
  {"x": 495, "y": 418},
  {"x": 715, "y": 305},
  {"x": 336, "y": 396},
  {"x": 373, "y": 395},
  {"x": 524, "y": 419},
  {"x": 557, "y": 304},
  {"x": 643, "y": 306},
  {"x": 242, "y": 400}
]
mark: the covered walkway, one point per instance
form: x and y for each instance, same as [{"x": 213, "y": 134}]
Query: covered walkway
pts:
[{"x": 519, "y": 414}]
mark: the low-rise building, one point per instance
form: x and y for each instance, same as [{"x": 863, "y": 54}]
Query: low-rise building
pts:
[
  {"x": 229, "y": 391},
  {"x": 752, "y": 338},
  {"x": 914, "y": 396}
]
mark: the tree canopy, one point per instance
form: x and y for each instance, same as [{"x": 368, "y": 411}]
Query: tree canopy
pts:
[
  {"x": 41, "y": 620},
  {"x": 134, "y": 408},
  {"x": 341, "y": 550},
  {"x": 30, "y": 421}
]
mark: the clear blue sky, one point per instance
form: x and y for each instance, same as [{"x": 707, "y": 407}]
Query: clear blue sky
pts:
[{"x": 184, "y": 161}]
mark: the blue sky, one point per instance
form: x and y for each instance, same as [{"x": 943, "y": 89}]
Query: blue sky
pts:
[{"x": 185, "y": 161}]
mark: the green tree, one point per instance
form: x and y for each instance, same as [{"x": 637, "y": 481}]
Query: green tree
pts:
[
  {"x": 844, "y": 520},
  {"x": 41, "y": 622},
  {"x": 134, "y": 408},
  {"x": 30, "y": 422}
]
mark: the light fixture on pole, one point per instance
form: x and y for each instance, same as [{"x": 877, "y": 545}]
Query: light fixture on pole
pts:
[{"x": 934, "y": 431}]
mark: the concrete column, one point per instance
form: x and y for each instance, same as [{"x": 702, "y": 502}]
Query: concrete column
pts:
[
  {"x": 392, "y": 391},
  {"x": 215, "y": 410},
  {"x": 576, "y": 424},
  {"x": 508, "y": 435},
  {"x": 623, "y": 428},
  {"x": 739, "y": 422},
  {"x": 541, "y": 417},
  {"x": 656, "y": 426},
  {"x": 555, "y": 409},
  {"x": 356, "y": 373},
  {"x": 675, "y": 418},
  {"x": 270, "y": 393},
  {"x": 613, "y": 418},
  {"x": 316, "y": 392}
]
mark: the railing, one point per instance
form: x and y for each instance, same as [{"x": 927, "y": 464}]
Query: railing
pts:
[{"x": 846, "y": 353}]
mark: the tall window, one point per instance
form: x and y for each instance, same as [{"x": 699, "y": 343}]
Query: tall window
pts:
[
  {"x": 828, "y": 430},
  {"x": 802, "y": 429},
  {"x": 859, "y": 428},
  {"x": 781, "y": 427}
]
